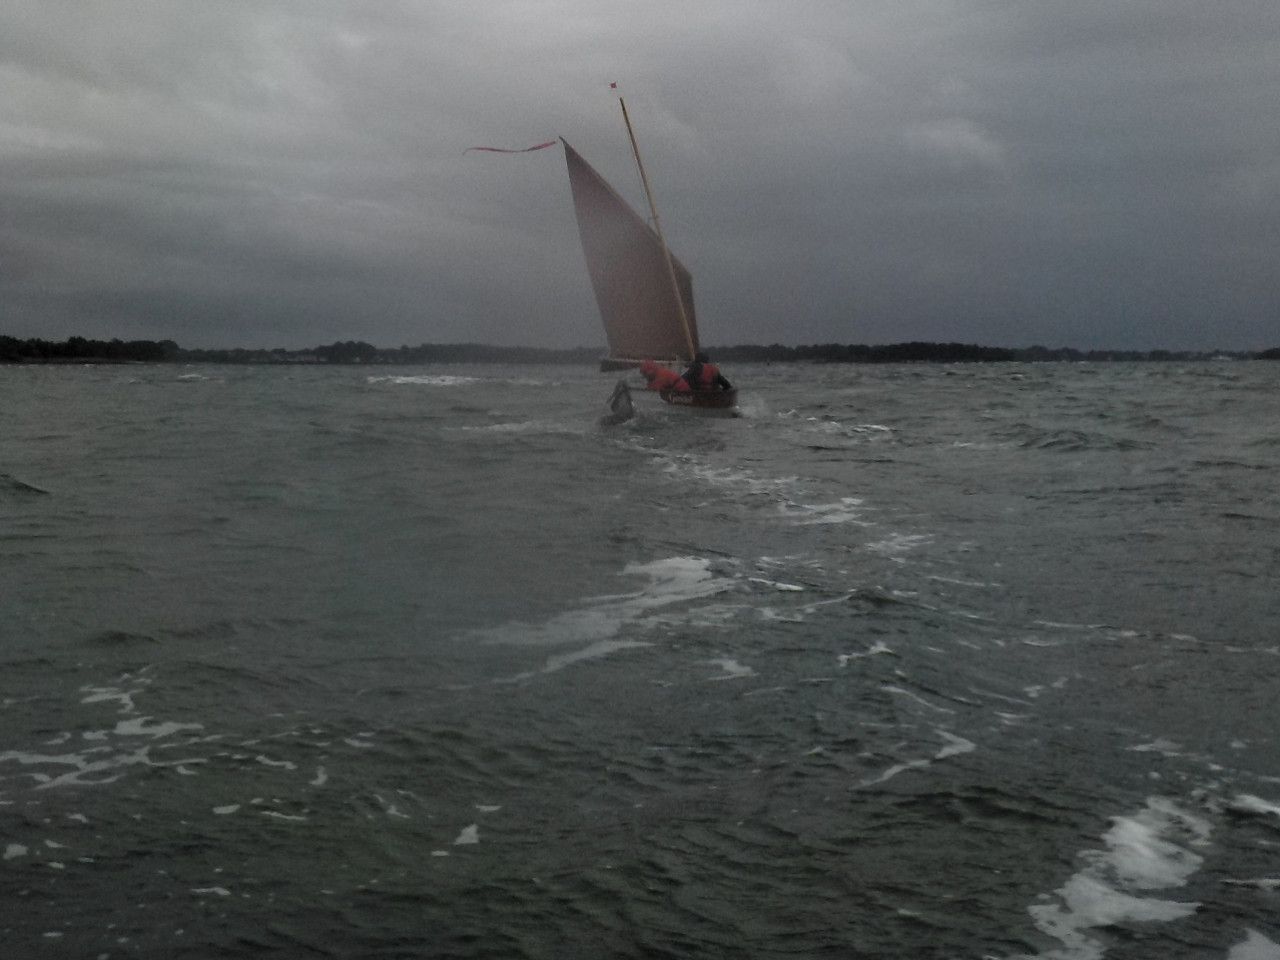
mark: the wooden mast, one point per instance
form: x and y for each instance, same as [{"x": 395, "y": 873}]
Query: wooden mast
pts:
[{"x": 657, "y": 227}]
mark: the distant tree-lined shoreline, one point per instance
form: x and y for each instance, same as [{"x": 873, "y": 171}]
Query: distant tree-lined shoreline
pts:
[{"x": 81, "y": 350}]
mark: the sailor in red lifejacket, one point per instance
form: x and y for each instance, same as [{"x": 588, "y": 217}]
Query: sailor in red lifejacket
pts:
[
  {"x": 705, "y": 375},
  {"x": 660, "y": 378}
]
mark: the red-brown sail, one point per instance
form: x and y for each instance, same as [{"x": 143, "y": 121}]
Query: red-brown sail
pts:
[{"x": 631, "y": 282}]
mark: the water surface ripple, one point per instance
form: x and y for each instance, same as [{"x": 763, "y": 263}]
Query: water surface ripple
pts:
[{"x": 973, "y": 661}]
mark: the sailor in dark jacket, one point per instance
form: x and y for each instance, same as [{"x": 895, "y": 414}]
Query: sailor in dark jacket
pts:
[{"x": 705, "y": 375}]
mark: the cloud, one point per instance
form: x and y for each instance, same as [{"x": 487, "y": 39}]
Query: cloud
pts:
[
  {"x": 957, "y": 143},
  {"x": 289, "y": 172}
]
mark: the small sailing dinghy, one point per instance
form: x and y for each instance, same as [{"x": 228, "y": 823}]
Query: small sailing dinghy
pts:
[{"x": 644, "y": 293}]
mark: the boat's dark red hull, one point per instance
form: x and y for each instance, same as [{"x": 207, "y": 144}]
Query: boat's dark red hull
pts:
[{"x": 701, "y": 399}]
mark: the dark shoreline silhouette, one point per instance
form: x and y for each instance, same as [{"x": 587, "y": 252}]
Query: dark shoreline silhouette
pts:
[{"x": 80, "y": 350}]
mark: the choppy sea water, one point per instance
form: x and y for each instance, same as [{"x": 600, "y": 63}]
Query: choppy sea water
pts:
[{"x": 973, "y": 661}]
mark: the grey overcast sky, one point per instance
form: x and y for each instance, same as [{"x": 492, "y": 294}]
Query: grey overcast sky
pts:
[{"x": 262, "y": 173}]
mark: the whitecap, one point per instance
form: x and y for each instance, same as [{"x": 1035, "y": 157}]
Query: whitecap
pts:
[
  {"x": 1248, "y": 803},
  {"x": 893, "y": 771},
  {"x": 777, "y": 585},
  {"x": 283, "y": 764},
  {"x": 1089, "y": 902},
  {"x": 1143, "y": 858},
  {"x": 1166, "y": 748},
  {"x": 601, "y": 648},
  {"x": 798, "y": 615},
  {"x": 961, "y": 583},
  {"x": 439, "y": 380},
  {"x": 469, "y": 835},
  {"x": 83, "y": 766},
  {"x": 846, "y": 510},
  {"x": 955, "y": 746},
  {"x": 1255, "y": 947},
  {"x": 141, "y": 727},
  {"x": 100, "y": 694},
  {"x": 917, "y": 698},
  {"x": 1141, "y": 855},
  {"x": 875, "y": 649},
  {"x": 681, "y": 466},
  {"x": 390, "y": 809},
  {"x": 733, "y": 670},
  {"x": 897, "y": 544},
  {"x": 672, "y": 581},
  {"x": 536, "y": 427},
  {"x": 768, "y": 613}
]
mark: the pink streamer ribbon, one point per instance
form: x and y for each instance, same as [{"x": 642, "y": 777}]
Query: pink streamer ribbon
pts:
[{"x": 540, "y": 146}]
